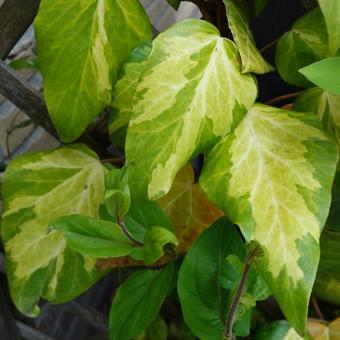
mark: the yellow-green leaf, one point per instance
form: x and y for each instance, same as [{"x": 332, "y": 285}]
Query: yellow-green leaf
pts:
[
  {"x": 272, "y": 176},
  {"x": 191, "y": 92},
  {"x": 81, "y": 47},
  {"x": 252, "y": 60},
  {"x": 37, "y": 189},
  {"x": 189, "y": 208},
  {"x": 331, "y": 12}
]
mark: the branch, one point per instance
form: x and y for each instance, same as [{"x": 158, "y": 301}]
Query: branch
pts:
[
  {"x": 283, "y": 97},
  {"x": 238, "y": 295},
  {"x": 269, "y": 45}
]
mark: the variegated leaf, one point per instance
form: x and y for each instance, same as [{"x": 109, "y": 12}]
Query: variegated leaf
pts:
[
  {"x": 37, "y": 189},
  {"x": 272, "y": 176},
  {"x": 124, "y": 93},
  {"x": 252, "y": 60},
  {"x": 190, "y": 94},
  {"x": 81, "y": 46},
  {"x": 331, "y": 12},
  {"x": 189, "y": 208},
  {"x": 325, "y": 105}
]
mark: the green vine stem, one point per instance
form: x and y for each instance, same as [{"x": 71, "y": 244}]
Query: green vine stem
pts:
[{"x": 236, "y": 301}]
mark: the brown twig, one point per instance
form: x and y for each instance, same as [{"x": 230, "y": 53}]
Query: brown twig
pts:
[
  {"x": 317, "y": 308},
  {"x": 118, "y": 160},
  {"x": 238, "y": 295},
  {"x": 269, "y": 45},
  {"x": 283, "y": 97}
]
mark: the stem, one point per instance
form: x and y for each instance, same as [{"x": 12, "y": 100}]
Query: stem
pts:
[
  {"x": 113, "y": 160},
  {"x": 269, "y": 45},
  {"x": 238, "y": 295},
  {"x": 283, "y": 97},
  {"x": 128, "y": 234},
  {"x": 317, "y": 308}
]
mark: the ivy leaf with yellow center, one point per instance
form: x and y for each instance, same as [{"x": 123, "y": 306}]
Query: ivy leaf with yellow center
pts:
[
  {"x": 190, "y": 94},
  {"x": 273, "y": 176},
  {"x": 37, "y": 189}
]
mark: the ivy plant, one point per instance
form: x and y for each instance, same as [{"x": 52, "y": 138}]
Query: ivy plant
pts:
[{"x": 218, "y": 201}]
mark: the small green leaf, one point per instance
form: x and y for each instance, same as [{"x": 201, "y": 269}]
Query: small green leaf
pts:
[
  {"x": 331, "y": 13},
  {"x": 124, "y": 93},
  {"x": 207, "y": 280},
  {"x": 144, "y": 215},
  {"x": 277, "y": 330},
  {"x": 305, "y": 43},
  {"x": 273, "y": 176},
  {"x": 327, "y": 283},
  {"x": 325, "y": 74},
  {"x": 252, "y": 60},
  {"x": 81, "y": 45},
  {"x": 325, "y": 105},
  {"x": 138, "y": 301},
  {"x": 157, "y": 242},
  {"x": 190, "y": 93},
  {"x": 37, "y": 189},
  {"x": 93, "y": 237}
]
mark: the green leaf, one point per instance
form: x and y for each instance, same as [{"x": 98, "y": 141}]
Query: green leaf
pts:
[
  {"x": 333, "y": 220},
  {"x": 157, "y": 242},
  {"x": 331, "y": 12},
  {"x": 143, "y": 216},
  {"x": 252, "y": 60},
  {"x": 277, "y": 330},
  {"x": 259, "y": 6},
  {"x": 37, "y": 189},
  {"x": 325, "y": 105},
  {"x": 124, "y": 93},
  {"x": 207, "y": 281},
  {"x": 174, "y": 3},
  {"x": 273, "y": 176},
  {"x": 93, "y": 237},
  {"x": 138, "y": 301},
  {"x": 305, "y": 43},
  {"x": 190, "y": 94},
  {"x": 117, "y": 194},
  {"x": 81, "y": 46},
  {"x": 325, "y": 74},
  {"x": 158, "y": 330},
  {"x": 327, "y": 283}
]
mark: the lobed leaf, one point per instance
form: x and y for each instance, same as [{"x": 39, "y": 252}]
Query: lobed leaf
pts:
[
  {"x": 189, "y": 208},
  {"x": 81, "y": 47},
  {"x": 331, "y": 13},
  {"x": 37, "y": 189},
  {"x": 305, "y": 43},
  {"x": 273, "y": 176},
  {"x": 325, "y": 105},
  {"x": 190, "y": 94}
]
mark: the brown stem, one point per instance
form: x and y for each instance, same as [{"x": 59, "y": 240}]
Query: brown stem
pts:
[
  {"x": 113, "y": 160},
  {"x": 269, "y": 45},
  {"x": 238, "y": 295},
  {"x": 317, "y": 308},
  {"x": 129, "y": 235},
  {"x": 283, "y": 97}
]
